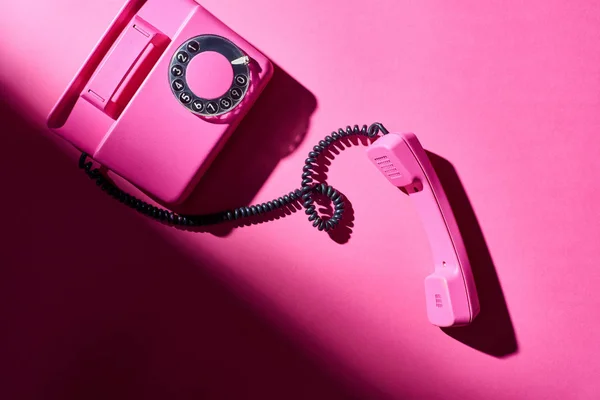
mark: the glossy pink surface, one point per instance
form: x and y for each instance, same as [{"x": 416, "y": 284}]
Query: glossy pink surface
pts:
[{"x": 98, "y": 301}]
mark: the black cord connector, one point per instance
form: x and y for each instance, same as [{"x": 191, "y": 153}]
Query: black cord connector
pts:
[{"x": 305, "y": 193}]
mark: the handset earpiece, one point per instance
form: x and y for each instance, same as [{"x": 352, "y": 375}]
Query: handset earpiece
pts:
[{"x": 450, "y": 292}]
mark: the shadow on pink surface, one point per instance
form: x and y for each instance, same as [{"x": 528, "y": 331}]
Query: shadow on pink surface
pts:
[
  {"x": 271, "y": 131},
  {"x": 95, "y": 305},
  {"x": 492, "y": 331}
]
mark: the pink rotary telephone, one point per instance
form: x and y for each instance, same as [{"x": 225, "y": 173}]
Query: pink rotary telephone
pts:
[
  {"x": 160, "y": 94},
  {"x": 163, "y": 90}
]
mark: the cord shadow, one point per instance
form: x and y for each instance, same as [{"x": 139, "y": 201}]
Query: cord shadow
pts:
[
  {"x": 341, "y": 234},
  {"x": 492, "y": 331},
  {"x": 96, "y": 305},
  {"x": 272, "y": 130}
]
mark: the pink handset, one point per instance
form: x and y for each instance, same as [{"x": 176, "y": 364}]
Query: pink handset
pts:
[
  {"x": 450, "y": 292},
  {"x": 160, "y": 94}
]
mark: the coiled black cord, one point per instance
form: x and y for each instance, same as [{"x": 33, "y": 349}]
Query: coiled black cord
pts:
[{"x": 308, "y": 188}]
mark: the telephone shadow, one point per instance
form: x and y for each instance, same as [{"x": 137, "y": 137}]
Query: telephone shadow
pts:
[
  {"x": 121, "y": 312},
  {"x": 492, "y": 331},
  {"x": 272, "y": 130}
]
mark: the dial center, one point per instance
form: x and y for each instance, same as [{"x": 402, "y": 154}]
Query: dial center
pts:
[{"x": 209, "y": 75}]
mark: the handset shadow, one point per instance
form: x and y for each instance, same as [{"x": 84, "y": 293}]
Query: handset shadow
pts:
[
  {"x": 492, "y": 331},
  {"x": 272, "y": 130}
]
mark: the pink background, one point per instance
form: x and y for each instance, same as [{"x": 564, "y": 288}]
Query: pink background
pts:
[{"x": 98, "y": 302}]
